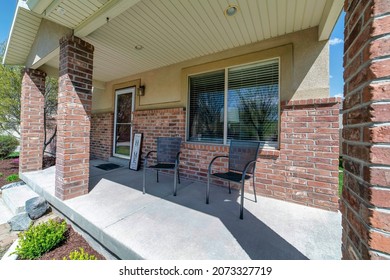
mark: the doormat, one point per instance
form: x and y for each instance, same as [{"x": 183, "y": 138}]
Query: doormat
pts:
[{"x": 108, "y": 166}]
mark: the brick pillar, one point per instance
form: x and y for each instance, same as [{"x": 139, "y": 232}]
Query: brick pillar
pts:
[
  {"x": 73, "y": 119},
  {"x": 32, "y": 115},
  {"x": 366, "y": 131}
]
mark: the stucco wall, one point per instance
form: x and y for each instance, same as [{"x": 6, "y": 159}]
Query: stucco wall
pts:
[{"x": 304, "y": 72}]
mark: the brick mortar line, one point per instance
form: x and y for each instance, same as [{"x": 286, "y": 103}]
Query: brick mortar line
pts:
[
  {"x": 358, "y": 217},
  {"x": 366, "y": 64},
  {"x": 367, "y": 124},
  {"x": 364, "y": 163},
  {"x": 366, "y": 104},
  {"x": 372, "y": 39},
  {"x": 353, "y": 12},
  {"x": 370, "y": 21},
  {"x": 377, "y": 81}
]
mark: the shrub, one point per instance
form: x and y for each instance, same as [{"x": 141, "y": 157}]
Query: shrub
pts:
[
  {"x": 39, "y": 239},
  {"x": 8, "y": 144},
  {"x": 12, "y": 178},
  {"x": 13, "y": 155},
  {"x": 80, "y": 255},
  {"x": 1, "y": 174}
]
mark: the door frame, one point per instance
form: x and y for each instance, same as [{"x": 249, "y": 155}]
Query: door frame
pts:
[{"x": 117, "y": 93}]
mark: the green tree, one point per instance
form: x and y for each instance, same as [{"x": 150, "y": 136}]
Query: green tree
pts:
[
  {"x": 10, "y": 90},
  {"x": 10, "y": 93}
]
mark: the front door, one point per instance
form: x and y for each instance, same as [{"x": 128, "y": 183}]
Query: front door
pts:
[{"x": 124, "y": 106}]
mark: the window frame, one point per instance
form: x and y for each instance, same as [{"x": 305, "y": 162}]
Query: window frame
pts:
[{"x": 226, "y": 142}]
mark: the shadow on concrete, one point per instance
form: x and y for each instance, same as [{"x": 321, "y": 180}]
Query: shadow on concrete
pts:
[{"x": 258, "y": 240}]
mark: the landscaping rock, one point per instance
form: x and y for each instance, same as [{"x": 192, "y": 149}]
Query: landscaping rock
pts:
[
  {"x": 36, "y": 207},
  {"x": 12, "y": 185},
  {"x": 20, "y": 222}
]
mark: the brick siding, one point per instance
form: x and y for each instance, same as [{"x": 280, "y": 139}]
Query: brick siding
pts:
[
  {"x": 366, "y": 132},
  {"x": 102, "y": 131},
  {"x": 73, "y": 117},
  {"x": 32, "y": 122},
  {"x": 304, "y": 170}
]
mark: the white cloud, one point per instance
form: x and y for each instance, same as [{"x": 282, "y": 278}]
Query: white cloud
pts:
[
  {"x": 330, "y": 76},
  {"x": 339, "y": 95},
  {"x": 335, "y": 41}
]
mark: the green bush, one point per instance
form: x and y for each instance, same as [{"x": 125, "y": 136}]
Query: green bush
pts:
[
  {"x": 80, "y": 255},
  {"x": 8, "y": 144},
  {"x": 13, "y": 155},
  {"x": 12, "y": 178},
  {"x": 40, "y": 239}
]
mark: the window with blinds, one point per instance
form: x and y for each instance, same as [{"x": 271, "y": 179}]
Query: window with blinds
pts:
[{"x": 251, "y": 113}]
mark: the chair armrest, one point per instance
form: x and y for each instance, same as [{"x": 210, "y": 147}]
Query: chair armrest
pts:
[
  {"x": 246, "y": 168},
  {"x": 212, "y": 161},
  {"x": 147, "y": 155},
  {"x": 177, "y": 161}
]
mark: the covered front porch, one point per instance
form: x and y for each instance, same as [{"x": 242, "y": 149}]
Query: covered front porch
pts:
[{"x": 158, "y": 225}]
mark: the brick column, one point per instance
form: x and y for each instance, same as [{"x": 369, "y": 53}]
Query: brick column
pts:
[
  {"x": 32, "y": 115},
  {"x": 73, "y": 119},
  {"x": 366, "y": 131}
]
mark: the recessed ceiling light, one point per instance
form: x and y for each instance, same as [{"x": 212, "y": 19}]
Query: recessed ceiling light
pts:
[
  {"x": 231, "y": 10},
  {"x": 138, "y": 47}
]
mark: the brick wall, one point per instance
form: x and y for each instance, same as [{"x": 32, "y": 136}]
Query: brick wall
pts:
[
  {"x": 366, "y": 132},
  {"x": 304, "y": 170},
  {"x": 32, "y": 122},
  {"x": 102, "y": 131},
  {"x": 73, "y": 117}
]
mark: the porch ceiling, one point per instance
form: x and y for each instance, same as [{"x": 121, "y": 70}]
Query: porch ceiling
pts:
[{"x": 172, "y": 31}]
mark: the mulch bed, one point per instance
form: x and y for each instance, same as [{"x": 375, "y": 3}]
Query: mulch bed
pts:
[
  {"x": 8, "y": 167},
  {"x": 73, "y": 241},
  {"x": 11, "y": 166}
]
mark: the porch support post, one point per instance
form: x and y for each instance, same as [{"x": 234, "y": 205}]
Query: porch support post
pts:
[
  {"x": 74, "y": 115},
  {"x": 365, "y": 201},
  {"x": 32, "y": 120}
]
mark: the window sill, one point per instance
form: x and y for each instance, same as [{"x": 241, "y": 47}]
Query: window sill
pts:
[{"x": 265, "y": 152}]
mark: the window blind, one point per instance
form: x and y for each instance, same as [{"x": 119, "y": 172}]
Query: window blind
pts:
[
  {"x": 206, "y": 107},
  {"x": 253, "y": 102}
]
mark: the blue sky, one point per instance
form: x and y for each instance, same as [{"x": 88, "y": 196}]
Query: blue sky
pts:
[{"x": 7, "y": 10}]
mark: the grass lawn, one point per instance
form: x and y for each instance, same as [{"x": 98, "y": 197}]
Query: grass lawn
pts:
[{"x": 341, "y": 179}]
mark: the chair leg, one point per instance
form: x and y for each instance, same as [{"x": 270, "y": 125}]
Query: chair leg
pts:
[
  {"x": 175, "y": 183},
  {"x": 242, "y": 200},
  {"x": 254, "y": 187},
  {"x": 144, "y": 178},
  {"x": 208, "y": 188},
  {"x": 178, "y": 175},
  {"x": 157, "y": 175},
  {"x": 230, "y": 189}
]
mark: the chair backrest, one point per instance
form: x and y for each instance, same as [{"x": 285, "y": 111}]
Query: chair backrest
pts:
[
  {"x": 242, "y": 152},
  {"x": 167, "y": 149}
]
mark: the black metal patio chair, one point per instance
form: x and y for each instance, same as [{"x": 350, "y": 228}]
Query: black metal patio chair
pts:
[
  {"x": 168, "y": 152},
  {"x": 242, "y": 163}
]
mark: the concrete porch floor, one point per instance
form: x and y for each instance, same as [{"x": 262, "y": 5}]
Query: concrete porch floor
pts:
[{"x": 159, "y": 226}]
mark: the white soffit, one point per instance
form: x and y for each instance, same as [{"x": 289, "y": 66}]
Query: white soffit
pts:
[
  {"x": 172, "y": 31},
  {"x": 23, "y": 31}
]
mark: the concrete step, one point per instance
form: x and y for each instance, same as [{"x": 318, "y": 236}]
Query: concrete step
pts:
[
  {"x": 15, "y": 198},
  {"x": 5, "y": 214}
]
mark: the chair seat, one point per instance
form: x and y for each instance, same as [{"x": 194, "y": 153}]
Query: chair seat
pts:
[
  {"x": 163, "y": 166},
  {"x": 231, "y": 176}
]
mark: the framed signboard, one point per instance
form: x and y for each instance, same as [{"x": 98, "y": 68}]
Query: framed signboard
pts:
[{"x": 136, "y": 152}]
